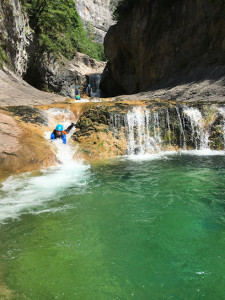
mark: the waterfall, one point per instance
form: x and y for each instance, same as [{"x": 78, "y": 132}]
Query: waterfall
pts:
[
  {"x": 181, "y": 129},
  {"x": 222, "y": 113},
  {"x": 138, "y": 124},
  {"x": 151, "y": 131},
  {"x": 168, "y": 125},
  {"x": 94, "y": 80},
  {"x": 199, "y": 135}
]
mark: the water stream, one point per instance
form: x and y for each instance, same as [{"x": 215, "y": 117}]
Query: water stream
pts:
[
  {"x": 94, "y": 80},
  {"x": 150, "y": 132},
  {"x": 145, "y": 226}
]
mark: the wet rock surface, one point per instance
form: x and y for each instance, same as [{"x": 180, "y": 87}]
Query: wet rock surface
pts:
[
  {"x": 22, "y": 147},
  {"x": 96, "y": 136},
  {"x": 149, "y": 126},
  {"x": 29, "y": 114}
]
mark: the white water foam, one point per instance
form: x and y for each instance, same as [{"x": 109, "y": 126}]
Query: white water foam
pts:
[
  {"x": 200, "y": 136},
  {"x": 84, "y": 100},
  {"x": 165, "y": 154},
  {"x": 22, "y": 194},
  {"x": 140, "y": 140}
]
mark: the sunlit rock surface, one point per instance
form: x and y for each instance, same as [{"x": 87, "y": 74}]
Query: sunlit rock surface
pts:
[
  {"x": 23, "y": 147},
  {"x": 96, "y": 16},
  {"x": 15, "y": 34}
]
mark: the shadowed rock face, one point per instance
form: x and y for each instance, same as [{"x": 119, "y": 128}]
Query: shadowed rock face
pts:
[
  {"x": 60, "y": 76},
  {"x": 161, "y": 39}
]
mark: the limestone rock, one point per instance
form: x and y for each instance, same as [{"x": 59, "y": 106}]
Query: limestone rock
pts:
[
  {"x": 96, "y": 16},
  {"x": 15, "y": 34},
  {"x": 23, "y": 148},
  {"x": 15, "y": 91},
  {"x": 61, "y": 76},
  {"x": 160, "y": 40}
]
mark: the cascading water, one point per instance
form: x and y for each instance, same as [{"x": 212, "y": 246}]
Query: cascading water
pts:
[
  {"x": 181, "y": 129},
  {"x": 138, "y": 125},
  {"x": 94, "y": 80},
  {"x": 149, "y": 131},
  {"x": 29, "y": 193},
  {"x": 222, "y": 113},
  {"x": 199, "y": 134}
]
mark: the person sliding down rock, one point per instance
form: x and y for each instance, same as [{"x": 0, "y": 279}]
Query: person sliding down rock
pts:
[
  {"x": 59, "y": 133},
  {"x": 89, "y": 90}
]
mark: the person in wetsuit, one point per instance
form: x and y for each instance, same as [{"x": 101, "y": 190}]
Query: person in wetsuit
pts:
[
  {"x": 59, "y": 133},
  {"x": 77, "y": 93},
  {"x": 89, "y": 90}
]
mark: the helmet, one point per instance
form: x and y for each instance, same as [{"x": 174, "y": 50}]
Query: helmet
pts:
[
  {"x": 89, "y": 85},
  {"x": 59, "y": 127}
]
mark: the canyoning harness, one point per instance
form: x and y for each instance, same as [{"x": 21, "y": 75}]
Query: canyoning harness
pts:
[{"x": 62, "y": 136}]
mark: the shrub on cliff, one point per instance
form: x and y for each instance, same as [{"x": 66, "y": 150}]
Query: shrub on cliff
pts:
[
  {"x": 3, "y": 57},
  {"x": 59, "y": 28}
]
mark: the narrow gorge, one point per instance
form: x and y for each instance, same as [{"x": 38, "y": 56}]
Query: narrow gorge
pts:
[{"x": 118, "y": 194}]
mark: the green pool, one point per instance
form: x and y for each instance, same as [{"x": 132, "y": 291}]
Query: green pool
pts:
[{"x": 125, "y": 229}]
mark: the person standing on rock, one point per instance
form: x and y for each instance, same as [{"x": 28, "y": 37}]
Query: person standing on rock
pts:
[
  {"x": 77, "y": 93},
  {"x": 89, "y": 91},
  {"x": 59, "y": 133}
]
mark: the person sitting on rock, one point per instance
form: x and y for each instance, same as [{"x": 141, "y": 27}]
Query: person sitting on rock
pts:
[
  {"x": 77, "y": 93},
  {"x": 59, "y": 133},
  {"x": 89, "y": 90}
]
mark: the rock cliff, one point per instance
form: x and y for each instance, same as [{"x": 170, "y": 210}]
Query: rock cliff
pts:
[
  {"x": 15, "y": 34},
  {"x": 43, "y": 70},
  {"x": 61, "y": 75},
  {"x": 159, "y": 40},
  {"x": 96, "y": 16}
]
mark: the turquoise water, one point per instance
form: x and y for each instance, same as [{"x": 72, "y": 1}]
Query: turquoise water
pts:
[{"x": 152, "y": 229}]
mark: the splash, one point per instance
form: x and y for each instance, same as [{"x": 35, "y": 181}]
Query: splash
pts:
[
  {"x": 140, "y": 140},
  {"x": 28, "y": 193},
  {"x": 199, "y": 134},
  {"x": 222, "y": 113},
  {"x": 151, "y": 132}
]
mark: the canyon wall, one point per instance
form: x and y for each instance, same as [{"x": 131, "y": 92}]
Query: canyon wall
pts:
[
  {"x": 154, "y": 41},
  {"x": 96, "y": 16},
  {"x": 15, "y": 34}
]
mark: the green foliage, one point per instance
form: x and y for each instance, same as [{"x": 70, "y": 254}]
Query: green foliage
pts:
[
  {"x": 60, "y": 29},
  {"x": 3, "y": 57}
]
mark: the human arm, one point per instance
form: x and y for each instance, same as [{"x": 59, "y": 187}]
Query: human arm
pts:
[{"x": 69, "y": 128}]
